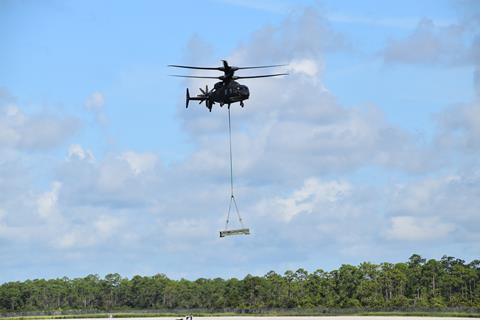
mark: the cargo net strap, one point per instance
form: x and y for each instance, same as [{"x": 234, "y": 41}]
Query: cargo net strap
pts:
[
  {"x": 232, "y": 197},
  {"x": 232, "y": 200}
]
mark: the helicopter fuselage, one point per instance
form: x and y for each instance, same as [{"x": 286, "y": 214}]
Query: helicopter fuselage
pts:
[
  {"x": 227, "y": 93},
  {"x": 222, "y": 93}
]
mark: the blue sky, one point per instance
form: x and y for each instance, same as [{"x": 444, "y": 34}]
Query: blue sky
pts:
[{"x": 368, "y": 150}]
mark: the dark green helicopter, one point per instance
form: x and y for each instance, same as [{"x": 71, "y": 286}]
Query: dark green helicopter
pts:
[{"x": 226, "y": 91}]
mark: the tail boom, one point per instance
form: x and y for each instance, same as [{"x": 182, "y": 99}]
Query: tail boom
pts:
[{"x": 201, "y": 98}]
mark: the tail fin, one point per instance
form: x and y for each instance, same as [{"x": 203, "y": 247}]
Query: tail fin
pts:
[{"x": 187, "y": 99}]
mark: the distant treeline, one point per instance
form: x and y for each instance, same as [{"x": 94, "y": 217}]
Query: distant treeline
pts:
[{"x": 444, "y": 283}]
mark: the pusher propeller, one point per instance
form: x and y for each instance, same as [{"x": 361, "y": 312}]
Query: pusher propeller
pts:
[{"x": 206, "y": 90}]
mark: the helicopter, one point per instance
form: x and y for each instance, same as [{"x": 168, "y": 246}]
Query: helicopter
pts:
[{"x": 226, "y": 91}]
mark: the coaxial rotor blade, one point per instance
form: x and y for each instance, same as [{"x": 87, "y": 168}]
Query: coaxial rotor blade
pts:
[
  {"x": 197, "y": 77},
  {"x": 191, "y": 67},
  {"x": 258, "y": 67},
  {"x": 261, "y": 76}
]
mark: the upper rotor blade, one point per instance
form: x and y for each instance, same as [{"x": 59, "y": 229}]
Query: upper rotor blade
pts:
[
  {"x": 258, "y": 67},
  {"x": 197, "y": 77},
  {"x": 190, "y": 67},
  {"x": 262, "y": 76}
]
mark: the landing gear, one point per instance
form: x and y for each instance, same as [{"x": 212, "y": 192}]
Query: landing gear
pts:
[{"x": 241, "y": 104}]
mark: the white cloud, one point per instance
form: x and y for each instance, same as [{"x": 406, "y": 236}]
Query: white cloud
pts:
[
  {"x": 11, "y": 118},
  {"x": 313, "y": 195},
  {"x": 107, "y": 225},
  {"x": 95, "y": 101},
  {"x": 436, "y": 207},
  {"x": 441, "y": 43},
  {"x": 265, "y": 5},
  {"x": 74, "y": 238},
  {"x": 138, "y": 162},
  {"x": 307, "y": 67},
  {"x": 379, "y": 21},
  {"x": 33, "y": 132},
  {"x": 96, "y": 104},
  {"x": 459, "y": 127},
  {"x": 76, "y": 151},
  {"x": 305, "y": 34},
  {"x": 418, "y": 229},
  {"x": 113, "y": 177},
  {"x": 476, "y": 80},
  {"x": 116, "y": 180},
  {"x": 417, "y": 198},
  {"x": 429, "y": 44},
  {"x": 4, "y": 230},
  {"x": 48, "y": 201}
]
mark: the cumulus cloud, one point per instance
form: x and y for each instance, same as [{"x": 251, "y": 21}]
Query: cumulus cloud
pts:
[
  {"x": 418, "y": 229},
  {"x": 436, "y": 207},
  {"x": 305, "y": 34},
  {"x": 95, "y": 232},
  {"x": 115, "y": 181},
  {"x": 428, "y": 44},
  {"x": 25, "y": 207},
  {"x": 334, "y": 215},
  {"x": 107, "y": 225},
  {"x": 312, "y": 195},
  {"x": 47, "y": 202},
  {"x": 475, "y": 56},
  {"x": 4, "y": 229},
  {"x": 140, "y": 163},
  {"x": 454, "y": 44},
  {"x": 476, "y": 79},
  {"x": 96, "y": 103},
  {"x": 306, "y": 66},
  {"x": 76, "y": 151},
  {"x": 459, "y": 127},
  {"x": 33, "y": 132}
]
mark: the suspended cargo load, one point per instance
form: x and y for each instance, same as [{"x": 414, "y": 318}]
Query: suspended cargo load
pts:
[{"x": 236, "y": 232}]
